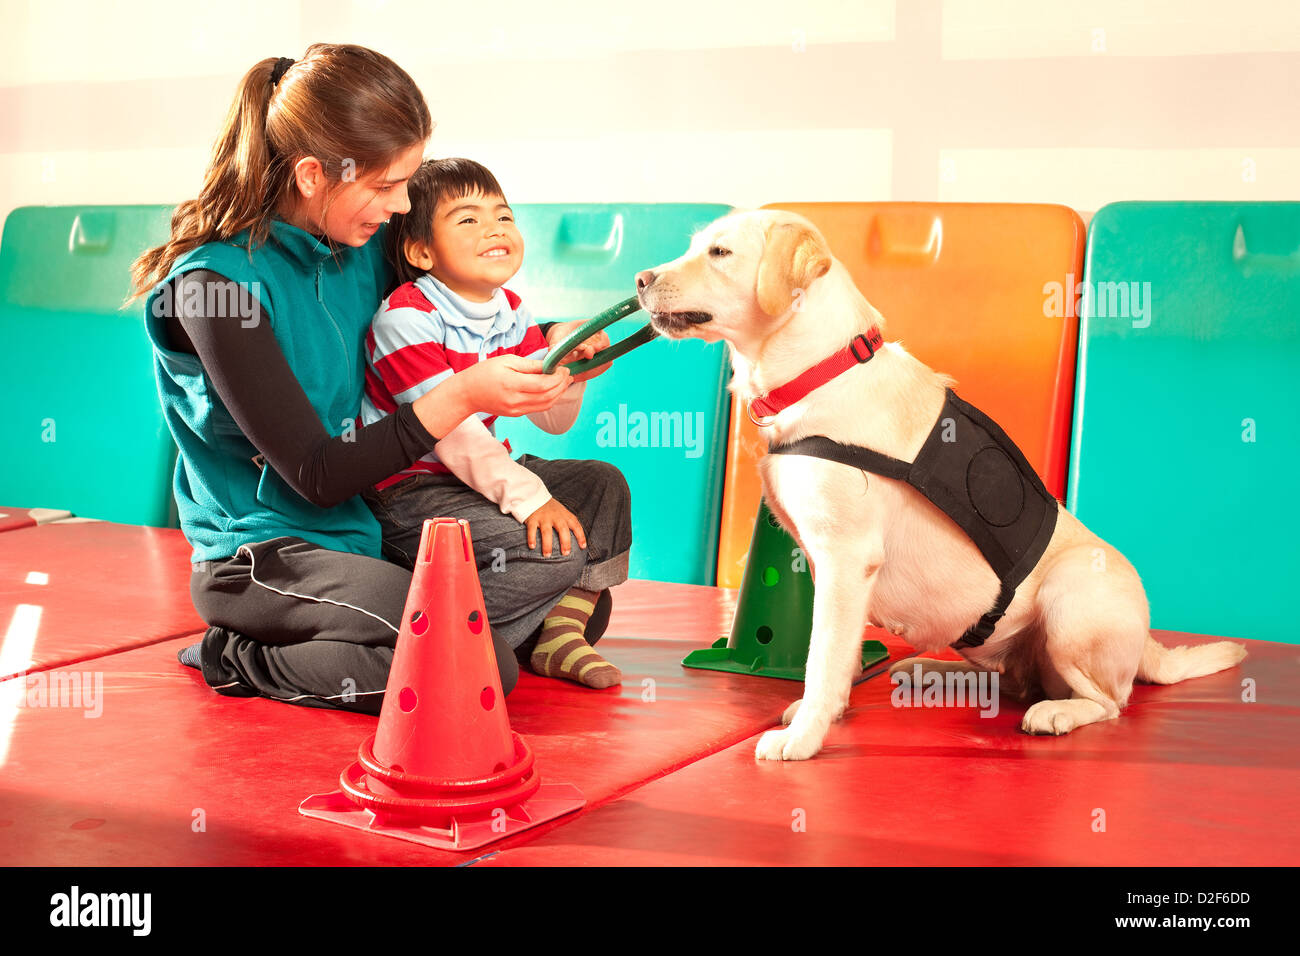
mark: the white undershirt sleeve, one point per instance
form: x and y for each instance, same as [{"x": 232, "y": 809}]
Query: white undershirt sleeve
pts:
[{"x": 477, "y": 457}]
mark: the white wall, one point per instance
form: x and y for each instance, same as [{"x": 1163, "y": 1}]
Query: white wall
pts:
[{"x": 743, "y": 103}]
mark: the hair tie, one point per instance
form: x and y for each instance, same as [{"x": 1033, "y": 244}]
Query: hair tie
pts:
[{"x": 281, "y": 67}]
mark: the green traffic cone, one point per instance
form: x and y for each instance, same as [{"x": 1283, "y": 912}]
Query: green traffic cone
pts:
[{"x": 774, "y": 612}]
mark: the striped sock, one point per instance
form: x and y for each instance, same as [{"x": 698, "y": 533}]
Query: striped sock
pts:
[{"x": 563, "y": 651}]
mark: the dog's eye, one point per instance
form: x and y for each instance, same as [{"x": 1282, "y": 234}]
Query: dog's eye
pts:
[{"x": 718, "y": 252}]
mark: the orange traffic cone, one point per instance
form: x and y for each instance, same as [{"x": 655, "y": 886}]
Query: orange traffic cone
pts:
[{"x": 444, "y": 768}]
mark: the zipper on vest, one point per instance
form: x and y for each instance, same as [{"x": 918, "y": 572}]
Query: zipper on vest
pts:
[{"x": 320, "y": 268}]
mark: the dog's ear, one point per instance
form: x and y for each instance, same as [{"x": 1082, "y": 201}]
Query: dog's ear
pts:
[{"x": 793, "y": 256}]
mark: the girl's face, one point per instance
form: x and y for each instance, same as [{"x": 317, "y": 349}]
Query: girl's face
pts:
[{"x": 351, "y": 212}]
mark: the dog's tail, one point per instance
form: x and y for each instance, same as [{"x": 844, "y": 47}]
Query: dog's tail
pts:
[{"x": 1169, "y": 665}]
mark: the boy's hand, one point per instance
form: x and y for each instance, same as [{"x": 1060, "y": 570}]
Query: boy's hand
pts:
[
  {"x": 558, "y": 332},
  {"x": 553, "y": 516}
]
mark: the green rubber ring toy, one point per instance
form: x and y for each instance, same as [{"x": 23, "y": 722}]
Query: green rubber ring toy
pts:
[{"x": 591, "y": 326}]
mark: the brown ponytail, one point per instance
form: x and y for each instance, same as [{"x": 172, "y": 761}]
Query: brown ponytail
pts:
[{"x": 350, "y": 107}]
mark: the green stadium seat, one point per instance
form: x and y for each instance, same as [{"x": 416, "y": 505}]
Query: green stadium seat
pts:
[
  {"x": 1185, "y": 423},
  {"x": 84, "y": 430}
]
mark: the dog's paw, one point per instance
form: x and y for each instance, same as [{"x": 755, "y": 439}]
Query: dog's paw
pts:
[
  {"x": 904, "y": 665},
  {"x": 1062, "y": 716},
  {"x": 790, "y": 712},
  {"x": 928, "y": 666},
  {"x": 785, "y": 745},
  {"x": 1049, "y": 717}
]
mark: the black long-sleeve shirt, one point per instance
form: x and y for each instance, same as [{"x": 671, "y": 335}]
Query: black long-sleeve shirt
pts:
[{"x": 248, "y": 369}]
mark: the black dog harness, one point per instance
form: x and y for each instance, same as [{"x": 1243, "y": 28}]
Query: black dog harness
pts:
[{"x": 976, "y": 475}]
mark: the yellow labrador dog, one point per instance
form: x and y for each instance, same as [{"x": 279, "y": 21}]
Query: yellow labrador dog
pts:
[{"x": 1076, "y": 629}]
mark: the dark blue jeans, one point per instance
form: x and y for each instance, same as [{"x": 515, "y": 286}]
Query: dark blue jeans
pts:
[{"x": 520, "y": 585}]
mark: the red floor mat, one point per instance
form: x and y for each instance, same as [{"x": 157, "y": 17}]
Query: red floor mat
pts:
[
  {"x": 11, "y": 519},
  {"x": 125, "y": 787},
  {"x": 69, "y": 592},
  {"x": 1188, "y": 775}
]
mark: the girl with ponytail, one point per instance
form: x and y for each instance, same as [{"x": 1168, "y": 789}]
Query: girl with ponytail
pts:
[{"x": 257, "y": 307}]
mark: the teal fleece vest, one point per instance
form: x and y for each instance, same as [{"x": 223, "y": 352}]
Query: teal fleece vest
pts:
[{"x": 319, "y": 305}]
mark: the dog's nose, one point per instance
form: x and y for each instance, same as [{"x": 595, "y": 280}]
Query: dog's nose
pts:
[{"x": 645, "y": 279}]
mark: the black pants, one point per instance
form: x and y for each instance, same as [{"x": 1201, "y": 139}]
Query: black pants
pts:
[
  {"x": 296, "y": 622},
  {"x": 301, "y": 624}
]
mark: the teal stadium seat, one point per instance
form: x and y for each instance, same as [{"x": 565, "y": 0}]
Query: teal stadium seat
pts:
[
  {"x": 83, "y": 430},
  {"x": 1186, "y": 435},
  {"x": 660, "y": 413}
]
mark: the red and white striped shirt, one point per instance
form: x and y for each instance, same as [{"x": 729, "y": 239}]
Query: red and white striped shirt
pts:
[{"x": 424, "y": 333}]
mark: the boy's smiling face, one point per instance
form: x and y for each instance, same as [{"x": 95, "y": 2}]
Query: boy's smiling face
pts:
[{"x": 476, "y": 246}]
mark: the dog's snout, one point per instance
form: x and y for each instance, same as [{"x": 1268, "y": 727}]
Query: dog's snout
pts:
[{"x": 645, "y": 279}]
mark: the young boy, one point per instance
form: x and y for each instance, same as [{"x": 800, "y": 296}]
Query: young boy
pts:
[{"x": 453, "y": 252}]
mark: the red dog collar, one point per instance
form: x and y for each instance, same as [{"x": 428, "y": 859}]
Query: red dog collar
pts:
[{"x": 769, "y": 405}]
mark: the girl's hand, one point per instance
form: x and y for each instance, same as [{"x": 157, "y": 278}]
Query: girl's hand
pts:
[
  {"x": 513, "y": 386},
  {"x": 505, "y": 385},
  {"x": 553, "y": 516},
  {"x": 558, "y": 332}
]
